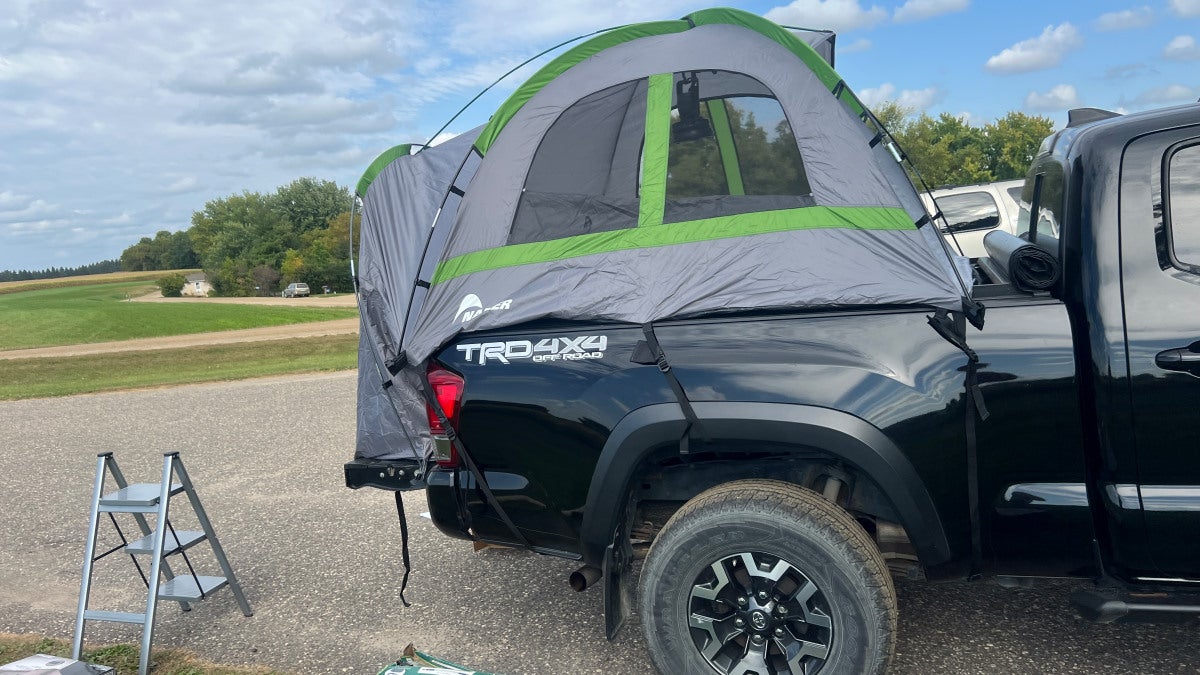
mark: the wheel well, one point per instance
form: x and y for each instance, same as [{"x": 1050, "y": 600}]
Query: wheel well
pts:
[{"x": 666, "y": 480}]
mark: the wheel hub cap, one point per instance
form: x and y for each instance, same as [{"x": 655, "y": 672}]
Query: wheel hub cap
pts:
[
  {"x": 757, "y": 613},
  {"x": 758, "y": 620}
]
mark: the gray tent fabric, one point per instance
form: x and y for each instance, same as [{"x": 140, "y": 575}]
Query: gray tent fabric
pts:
[
  {"x": 830, "y": 137},
  {"x": 397, "y": 214},
  {"x": 587, "y": 184},
  {"x": 822, "y": 42}
]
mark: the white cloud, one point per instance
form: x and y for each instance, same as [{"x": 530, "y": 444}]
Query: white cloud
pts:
[
  {"x": 443, "y": 137},
  {"x": 920, "y": 99},
  {"x": 914, "y": 99},
  {"x": 874, "y": 96},
  {"x": 859, "y": 45},
  {"x": 1044, "y": 51},
  {"x": 528, "y": 25},
  {"x": 178, "y": 103},
  {"x": 1137, "y": 17},
  {"x": 918, "y": 10},
  {"x": 182, "y": 185},
  {"x": 837, "y": 15},
  {"x": 1186, "y": 8},
  {"x": 1182, "y": 48},
  {"x": 1175, "y": 93},
  {"x": 1060, "y": 97},
  {"x": 17, "y": 208},
  {"x": 1128, "y": 71}
]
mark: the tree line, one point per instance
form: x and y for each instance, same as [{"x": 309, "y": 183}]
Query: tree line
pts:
[
  {"x": 949, "y": 150},
  {"x": 102, "y": 267},
  {"x": 255, "y": 244}
]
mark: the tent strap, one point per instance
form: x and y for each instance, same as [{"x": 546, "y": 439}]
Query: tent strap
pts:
[
  {"x": 953, "y": 328},
  {"x": 650, "y": 352},
  {"x": 403, "y": 545},
  {"x": 472, "y": 467}
]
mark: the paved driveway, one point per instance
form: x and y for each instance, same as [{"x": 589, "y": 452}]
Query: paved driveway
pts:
[{"x": 321, "y": 563}]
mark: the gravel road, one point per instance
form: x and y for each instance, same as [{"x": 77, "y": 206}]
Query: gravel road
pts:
[{"x": 321, "y": 564}]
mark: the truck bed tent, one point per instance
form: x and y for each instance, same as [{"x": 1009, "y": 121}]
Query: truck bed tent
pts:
[{"x": 658, "y": 170}]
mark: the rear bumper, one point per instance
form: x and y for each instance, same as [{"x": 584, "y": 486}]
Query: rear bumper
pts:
[
  {"x": 442, "y": 495},
  {"x": 398, "y": 474}
]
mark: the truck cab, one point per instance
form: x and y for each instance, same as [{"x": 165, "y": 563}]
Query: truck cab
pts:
[{"x": 1127, "y": 193}]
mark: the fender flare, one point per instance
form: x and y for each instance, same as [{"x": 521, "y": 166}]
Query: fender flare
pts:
[{"x": 840, "y": 434}]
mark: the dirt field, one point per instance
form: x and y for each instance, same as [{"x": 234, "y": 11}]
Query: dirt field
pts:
[{"x": 285, "y": 332}]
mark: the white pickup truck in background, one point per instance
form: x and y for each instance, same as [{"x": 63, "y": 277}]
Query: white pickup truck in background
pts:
[{"x": 974, "y": 210}]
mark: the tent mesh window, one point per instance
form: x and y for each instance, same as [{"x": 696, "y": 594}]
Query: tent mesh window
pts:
[
  {"x": 732, "y": 149},
  {"x": 584, "y": 174}
]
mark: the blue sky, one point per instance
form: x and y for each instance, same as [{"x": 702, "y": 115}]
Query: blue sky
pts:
[{"x": 120, "y": 119}]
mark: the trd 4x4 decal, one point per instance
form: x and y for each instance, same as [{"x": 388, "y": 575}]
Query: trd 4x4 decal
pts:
[{"x": 547, "y": 349}]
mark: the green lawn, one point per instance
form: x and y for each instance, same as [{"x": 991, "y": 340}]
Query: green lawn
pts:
[
  {"x": 43, "y": 377},
  {"x": 101, "y": 313}
]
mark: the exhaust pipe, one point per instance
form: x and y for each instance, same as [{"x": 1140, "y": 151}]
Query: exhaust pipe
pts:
[{"x": 584, "y": 576}]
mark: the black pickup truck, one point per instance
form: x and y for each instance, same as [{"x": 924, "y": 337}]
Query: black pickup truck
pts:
[{"x": 833, "y": 449}]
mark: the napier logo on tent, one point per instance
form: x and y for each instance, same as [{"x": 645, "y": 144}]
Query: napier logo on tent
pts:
[{"x": 472, "y": 307}]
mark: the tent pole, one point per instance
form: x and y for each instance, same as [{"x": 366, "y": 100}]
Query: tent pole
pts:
[{"x": 512, "y": 70}]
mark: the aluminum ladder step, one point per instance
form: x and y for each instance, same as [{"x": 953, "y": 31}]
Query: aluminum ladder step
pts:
[
  {"x": 141, "y": 500},
  {"x": 136, "y": 498},
  {"x": 181, "y": 540},
  {"x": 117, "y": 617},
  {"x": 184, "y": 588}
]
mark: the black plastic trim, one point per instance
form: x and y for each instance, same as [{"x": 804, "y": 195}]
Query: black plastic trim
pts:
[
  {"x": 396, "y": 475},
  {"x": 840, "y": 434}
]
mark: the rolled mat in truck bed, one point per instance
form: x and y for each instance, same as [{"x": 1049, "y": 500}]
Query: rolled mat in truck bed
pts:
[{"x": 1031, "y": 267}]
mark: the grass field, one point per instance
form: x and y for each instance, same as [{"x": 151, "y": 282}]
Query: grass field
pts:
[
  {"x": 99, "y": 313},
  {"x": 122, "y": 657},
  {"x": 38, "y": 378},
  {"x": 87, "y": 280}
]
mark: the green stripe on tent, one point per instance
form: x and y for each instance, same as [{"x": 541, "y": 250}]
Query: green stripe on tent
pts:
[
  {"x": 729, "y": 158},
  {"x": 720, "y": 15},
  {"x": 772, "y": 30},
  {"x": 725, "y": 227},
  {"x": 654, "y": 150},
  {"x": 378, "y": 165},
  {"x": 560, "y": 64}
]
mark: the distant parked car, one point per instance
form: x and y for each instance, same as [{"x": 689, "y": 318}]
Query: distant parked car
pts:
[
  {"x": 974, "y": 210},
  {"x": 296, "y": 291}
]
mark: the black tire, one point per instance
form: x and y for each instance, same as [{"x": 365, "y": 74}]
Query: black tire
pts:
[{"x": 847, "y": 625}]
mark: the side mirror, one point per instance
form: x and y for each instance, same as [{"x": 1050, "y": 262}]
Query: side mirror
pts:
[{"x": 691, "y": 126}]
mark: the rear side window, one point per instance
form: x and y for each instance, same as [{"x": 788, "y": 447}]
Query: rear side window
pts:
[
  {"x": 970, "y": 211},
  {"x": 1182, "y": 206},
  {"x": 768, "y": 159},
  {"x": 584, "y": 174},
  {"x": 732, "y": 149}
]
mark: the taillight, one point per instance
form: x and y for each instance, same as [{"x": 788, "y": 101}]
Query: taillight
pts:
[{"x": 448, "y": 390}]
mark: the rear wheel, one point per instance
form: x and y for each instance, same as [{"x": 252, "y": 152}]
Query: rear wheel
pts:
[{"x": 766, "y": 577}]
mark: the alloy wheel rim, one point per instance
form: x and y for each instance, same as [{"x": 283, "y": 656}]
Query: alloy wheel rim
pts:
[{"x": 757, "y": 613}]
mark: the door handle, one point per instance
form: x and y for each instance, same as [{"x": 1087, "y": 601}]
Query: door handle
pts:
[{"x": 1183, "y": 359}]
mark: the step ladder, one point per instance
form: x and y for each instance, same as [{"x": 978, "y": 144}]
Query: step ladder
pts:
[{"x": 158, "y": 543}]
